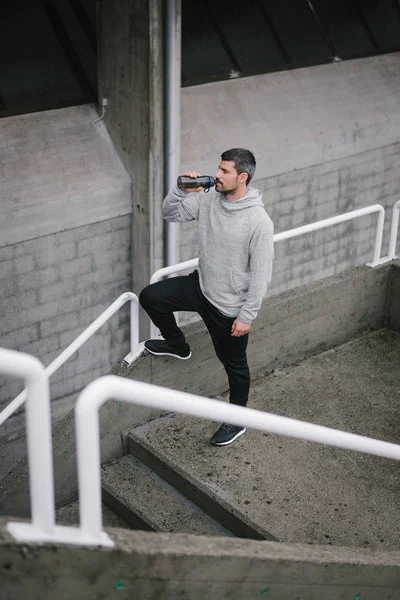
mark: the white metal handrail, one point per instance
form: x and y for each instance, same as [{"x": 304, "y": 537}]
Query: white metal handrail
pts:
[
  {"x": 285, "y": 235},
  {"x": 42, "y": 527},
  {"x": 38, "y": 423},
  {"x": 394, "y": 231},
  {"x": 135, "y": 392},
  {"x": 82, "y": 338},
  {"x": 87, "y": 408}
]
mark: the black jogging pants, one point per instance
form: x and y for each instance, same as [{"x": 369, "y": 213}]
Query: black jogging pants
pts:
[{"x": 160, "y": 300}]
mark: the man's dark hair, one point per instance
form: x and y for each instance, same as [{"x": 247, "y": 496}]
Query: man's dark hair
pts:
[{"x": 244, "y": 160}]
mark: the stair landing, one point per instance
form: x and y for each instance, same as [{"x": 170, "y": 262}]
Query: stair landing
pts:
[{"x": 300, "y": 491}]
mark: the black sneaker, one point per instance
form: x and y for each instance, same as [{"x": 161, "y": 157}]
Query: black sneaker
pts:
[
  {"x": 227, "y": 434},
  {"x": 162, "y": 348}
]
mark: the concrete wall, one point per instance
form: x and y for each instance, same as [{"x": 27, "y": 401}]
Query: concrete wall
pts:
[
  {"x": 152, "y": 565},
  {"x": 394, "y": 298},
  {"x": 65, "y": 244},
  {"x": 130, "y": 42},
  {"x": 291, "y": 326},
  {"x": 58, "y": 172},
  {"x": 326, "y": 140}
]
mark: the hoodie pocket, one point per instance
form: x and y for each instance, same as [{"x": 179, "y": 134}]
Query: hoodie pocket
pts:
[
  {"x": 241, "y": 282},
  {"x": 217, "y": 280}
]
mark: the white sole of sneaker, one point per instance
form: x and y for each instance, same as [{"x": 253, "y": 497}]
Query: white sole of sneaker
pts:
[
  {"x": 230, "y": 441},
  {"x": 168, "y": 354}
]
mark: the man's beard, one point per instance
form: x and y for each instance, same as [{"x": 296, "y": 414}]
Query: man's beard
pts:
[{"x": 230, "y": 191}]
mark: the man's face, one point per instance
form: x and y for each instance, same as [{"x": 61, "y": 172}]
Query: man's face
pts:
[{"x": 227, "y": 177}]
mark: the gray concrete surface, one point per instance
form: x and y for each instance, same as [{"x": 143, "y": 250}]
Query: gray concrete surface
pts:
[
  {"x": 147, "y": 502},
  {"x": 294, "y": 119},
  {"x": 68, "y": 515},
  {"x": 299, "y": 491},
  {"x": 151, "y": 565},
  {"x": 291, "y": 326},
  {"x": 130, "y": 76},
  {"x": 58, "y": 172},
  {"x": 213, "y": 505},
  {"x": 12, "y": 452}
]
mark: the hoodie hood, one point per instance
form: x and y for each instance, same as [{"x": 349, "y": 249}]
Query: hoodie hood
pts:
[{"x": 252, "y": 198}]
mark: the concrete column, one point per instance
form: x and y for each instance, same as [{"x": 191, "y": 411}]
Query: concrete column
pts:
[{"x": 130, "y": 41}]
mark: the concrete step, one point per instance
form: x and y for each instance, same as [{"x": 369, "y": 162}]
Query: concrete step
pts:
[
  {"x": 147, "y": 502},
  {"x": 69, "y": 515},
  {"x": 208, "y": 496},
  {"x": 285, "y": 489}
]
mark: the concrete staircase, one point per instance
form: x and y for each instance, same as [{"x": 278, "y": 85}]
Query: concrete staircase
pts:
[
  {"x": 327, "y": 353},
  {"x": 68, "y": 515},
  {"x": 270, "y": 487},
  {"x": 148, "y": 502}
]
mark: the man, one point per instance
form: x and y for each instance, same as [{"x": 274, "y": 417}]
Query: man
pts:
[{"x": 235, "y": 266}]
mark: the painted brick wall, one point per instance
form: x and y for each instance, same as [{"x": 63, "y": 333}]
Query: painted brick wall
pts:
[
  {"x": 326, "y": 190},
  {"x": 53, "y": 287},
  {"x": 65, "y": 238}
]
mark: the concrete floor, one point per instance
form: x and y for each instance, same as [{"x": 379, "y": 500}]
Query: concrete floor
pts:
[{"x": 300, "y": 491}]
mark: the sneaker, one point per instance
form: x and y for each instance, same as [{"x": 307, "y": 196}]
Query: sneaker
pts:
[
  {"x": 227, "y": 434},
  {"x": 162, "y": 348}
]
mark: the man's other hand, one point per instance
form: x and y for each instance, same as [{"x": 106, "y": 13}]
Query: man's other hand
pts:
[{"x": 239, "y": 328}]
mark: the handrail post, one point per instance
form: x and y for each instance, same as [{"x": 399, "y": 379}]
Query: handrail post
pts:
[
  {"x": 42, "y": 527},
  {"x": 378, "y": 238},
  {"x": 38, "y": 425},
  {"x": 89, "y": 466},
  {"x": 40, "y": 454},
  {"x": 394, "y": 230},
  {"x": 136, "y": 347},
  {"x": 134, "y": 324}
]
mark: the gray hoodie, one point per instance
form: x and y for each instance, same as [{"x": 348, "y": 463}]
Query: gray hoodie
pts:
[{"x": 236, "y": 247}]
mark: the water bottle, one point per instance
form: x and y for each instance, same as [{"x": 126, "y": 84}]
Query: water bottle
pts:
[{"x": 188, "y": 183}]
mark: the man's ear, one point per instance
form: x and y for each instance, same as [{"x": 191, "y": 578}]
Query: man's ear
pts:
[{"x": 243, "y": 177}]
